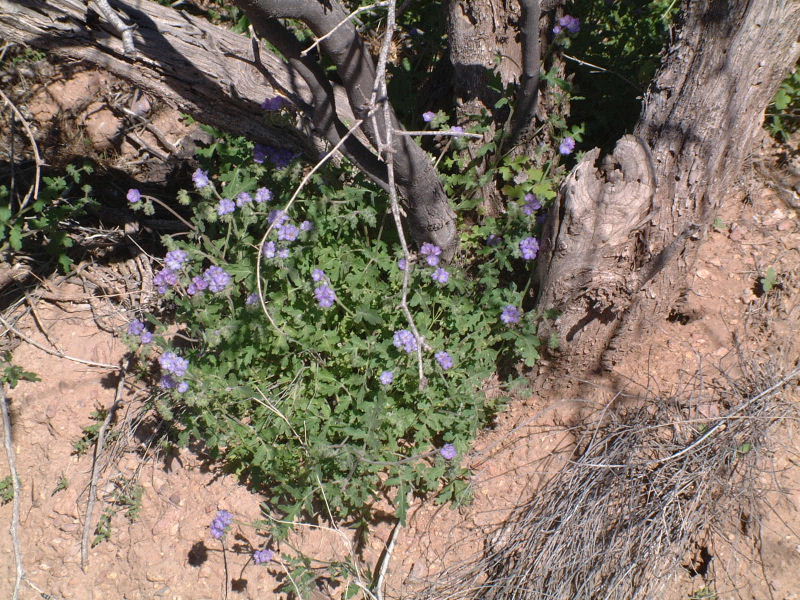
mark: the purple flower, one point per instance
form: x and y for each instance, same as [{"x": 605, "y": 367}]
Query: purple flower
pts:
[
  {"x": 263, "y": 195},
  {"x": 387, "y": 377},
  {"x": 243, "y": 198},
  {"x": 274, "y": 103},
  {"x": 429, "y": 249},
  {"x": 325, "y": 296},
  {"x": 283, "y": 253},
  {"x": 270, "y": 250},
  {"x": 175, "y": 259},
  {"x": 570, "y": 23},
  {"x": 405, "y": 339},
  {"x": 494, "y": 240},
  {"x": 134, "y": 196},
  {"x": 218, "y": 279},
  {"x": 146, "y": 337},
  {"x": 402, "y": 264},
  {"x": 557, "y": 29},
  {"x": 288, "y": 232},
  {"x": 511, "y": 314},
  {"x": 278, "y": 217},
  {"x": 183, "y": 387},
  {"x": 428, "y": 116},
  {"x": 251, "y": 299},
  {"x": 444, "y": 359},
  {"x": 531, "y": 205},
  {"x": 306, "y": 226},
  {"x": 167, "y": 382},
  {"x": 318, "y": 275},
  {"x": 200, "y": 179},
  {"x": 280, "y": 157},
  {"x": 260, "y": 153},
  {"x": 136, "y": 327},
  {"x": 165, "y": 279},
  {"x": 567, "y": 146},
  {"x": 225, "y": 207},
  {"x": 529, "y": 248},
  {"x": 197, "y": 286},
  {"x": 221, "y": 523},
  {"x": 172, "y": 363},
  {"x": 457, "y": 129},
  {"x": 262, "y": 556},
  {"x": 448, "y": 452},
  {"x": 440, "y": 276}
]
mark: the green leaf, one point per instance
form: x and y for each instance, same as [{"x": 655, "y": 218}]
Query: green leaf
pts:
[
  {"x": 15, "y": 237},
  {"x": 769, "y": 280}
]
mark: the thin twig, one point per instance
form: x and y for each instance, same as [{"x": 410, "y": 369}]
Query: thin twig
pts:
[
  {"x": 167, "y": 207},
  {"x": 12, "y": 467},
  {"x": 38, "y": 159},
  {"x": 387, "y": 558},
  {"x": 342, "y": 22},
  {"x": 125, "y": 31},
  {"x": 36, "y": 344},
  {"x": 443, "y": 132},
  {"x": 98, "y": 451},
  {"x": 588, "y": 64}
]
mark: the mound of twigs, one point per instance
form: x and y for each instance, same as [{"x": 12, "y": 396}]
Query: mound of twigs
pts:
[{"x": 649, "y": 480}]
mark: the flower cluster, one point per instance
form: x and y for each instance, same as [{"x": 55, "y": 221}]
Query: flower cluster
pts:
[
  {"x": 279, "y": 157},
  {"x": 325, "y": 295},
  {"x": 286, "y": 231},
  {"x": 529, "y": 247},
  {"x": 432, "y": 254},
  {"x": 568, "y": 23},
  {"x": 200, "y": 179},
  {"x": 531, "y": 205},
  {"x": 139, "y": 329},
  {"x": 134, "y": 196},
  {"x": 274, "y": 103},
  {"x": 405, "y": 340},
  {"x": 428, "y": 116},
  {"x": 444, "y": 359},
  {"x": 172, "y": 363},
  {"x": 567, "y": 146},
  {"x": 165, "y": 280},
  {"x": 511, "y": 314},
  {"x": 175, "y": 259},
  {"x": 217, "y": 278},
  {"x": 220, "y": 524},
  {"x": 263, "y": 556},
  {"x": 387, "y": 377},
  {"x": 448, "y": 452},
  {"x": 225, "y": 207}
]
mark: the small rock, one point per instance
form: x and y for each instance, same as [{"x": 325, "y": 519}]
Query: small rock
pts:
[
  {"x": 702, "y": 273},
  {"x": 786, "y": 225},
  {"x": 102, "y": 126}
]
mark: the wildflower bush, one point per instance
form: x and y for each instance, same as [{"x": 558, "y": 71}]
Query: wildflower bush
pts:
[{"x": 311, "y": 389}]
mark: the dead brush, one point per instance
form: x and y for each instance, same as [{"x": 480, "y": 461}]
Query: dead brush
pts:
[{"x": 649, "y": 480}]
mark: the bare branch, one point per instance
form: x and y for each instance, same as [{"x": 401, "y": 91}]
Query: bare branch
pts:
[
  {"x": 12, "y": 467},
  {"x": 125, "y": 31},
  {"x": 357, "y": 11}
]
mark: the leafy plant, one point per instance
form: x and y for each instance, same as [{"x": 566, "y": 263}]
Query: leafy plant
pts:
[
  {"x": 90, "y": 433},
  {"x": 12, "y": 374},
  {"x": 6, "y": 490},
  {"x": 769, "y": 280},
  {"x": 783, "y": 115},
  {"x": 61, "y": 485}
]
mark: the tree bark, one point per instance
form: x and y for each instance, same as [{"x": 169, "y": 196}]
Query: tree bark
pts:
[{"x": 625, "y": 230}]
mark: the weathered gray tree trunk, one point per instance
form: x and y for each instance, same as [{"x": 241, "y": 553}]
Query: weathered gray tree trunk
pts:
[{"x": 626, "y": 228}]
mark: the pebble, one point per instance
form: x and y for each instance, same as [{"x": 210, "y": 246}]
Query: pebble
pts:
[{"x": 786, "y": 225}]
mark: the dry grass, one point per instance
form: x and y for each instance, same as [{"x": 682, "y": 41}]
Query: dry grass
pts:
[{"x": 649, "y": 481}]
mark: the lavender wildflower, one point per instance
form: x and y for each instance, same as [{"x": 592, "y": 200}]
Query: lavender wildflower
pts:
[
  {"x": 172, "y": 363},
  {"x": 221, "y": 523},
  {"x": 457, "y": 129},
  {"x": 428, "y": 116},
  {"x": 325, "y": 296},
  {"x": 251, "y": 299},
  {"x": 175, "y": 259},
  {"x": 318, "y": 275},
  {"x": 218, "y": 279},
  {"x": 146, "y": 337},
  {"x": 570, "y": 23},
  {"x": 494, "y": 240},
  {"x": 306, "y": 226},
  {"x": 165, "y": 279},
  {"x": 200, "y": 179},
  {"x": 288, "y": 232},
  {"x": 529, "y": 248},
  {"x": 567, "y": 146},
  {"x": 136, "y": 327},
  {"x": 405, "y": 339},
  {"x": 260, "y": 153},
  {"x": 440, "y": 276},
  {"x": 183, "y": 387},
  {"x": 243, "y": 198},
  {"x": 263, "y": 556},
  {"x": 387, "y": 377},
  {"x": 511, "y": 314},
  {"x": 444, "y": 359},
  {"x": 448, "y": 452},
  {"x": 167, "y": 382},
  {"x": 402, "y": 264},
  {"x": 263, "y": 195},
  {"x": 283, "y": 253},
  {"x": 225, "y": 207},
  {"x": 270, "y": 250},
  {"x": 531, "y": 205},
  {"x": 274, "y": 103},
  {"x": 431, "y": 252},
  {"x": 278, "y": 217},
  {"x": 197, "y": 286},
  {"x": 134, "y": 196}
]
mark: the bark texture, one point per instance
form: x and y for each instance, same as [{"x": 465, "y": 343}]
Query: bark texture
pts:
[
  {"x": 185, "y": 60},
  {"x": 624, "y": 233}
]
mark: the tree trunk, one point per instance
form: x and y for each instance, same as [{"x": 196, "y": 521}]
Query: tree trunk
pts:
[
  {"x": 186, "y": 61},
  {"x": 625, "y": 230}
]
